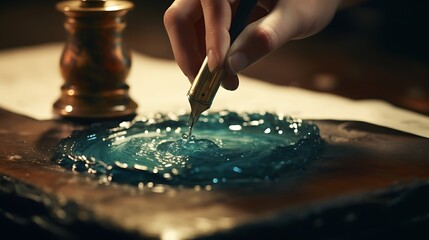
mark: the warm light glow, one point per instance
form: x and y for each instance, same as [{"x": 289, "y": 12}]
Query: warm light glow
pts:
[
  {"x": 71, "y": 92},
  {"x": 69, "y": 108},
  {"x": 170, "y": 234},
  {"x": 119, "y": 108}
]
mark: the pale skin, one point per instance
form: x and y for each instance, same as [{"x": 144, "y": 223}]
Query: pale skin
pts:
[{"x": 200, "y": 28}]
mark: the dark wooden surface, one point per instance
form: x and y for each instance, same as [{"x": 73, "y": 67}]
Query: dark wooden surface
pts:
[{"x": 362, "y": 167}]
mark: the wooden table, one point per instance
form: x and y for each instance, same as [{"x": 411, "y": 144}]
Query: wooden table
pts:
[{"x": 369, "y": 182}]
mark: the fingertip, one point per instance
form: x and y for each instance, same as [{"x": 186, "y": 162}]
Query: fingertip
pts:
[
  {"x": 230, "y": 82},
  {"x": 212, "y": 61},
  {"x": 238, "y": 62},
  {"x": 217, "y": 20},
  {"x": 190, "y": 79}
]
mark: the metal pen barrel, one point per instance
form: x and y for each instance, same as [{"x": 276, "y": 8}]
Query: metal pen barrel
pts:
[{"x": 206, "y": 84}]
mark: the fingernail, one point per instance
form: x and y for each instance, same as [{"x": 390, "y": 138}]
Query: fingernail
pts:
[
  {"x": 237, "y": 62},
  {"x": 211, "y": 60}
]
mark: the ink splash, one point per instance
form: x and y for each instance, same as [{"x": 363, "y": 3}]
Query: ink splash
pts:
[{"x": 228, "y": 149}]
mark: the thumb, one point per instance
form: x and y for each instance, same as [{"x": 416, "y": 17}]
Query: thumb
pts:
[
  {"x": 260, "y": 38},
  {"x": 289, "y": 19}
]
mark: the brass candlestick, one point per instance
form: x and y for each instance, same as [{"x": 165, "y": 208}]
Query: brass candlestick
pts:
[{"x": 95, "y": 61}]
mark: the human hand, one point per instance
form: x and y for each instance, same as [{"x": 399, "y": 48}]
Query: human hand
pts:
[{"x": 199, "y": 28}]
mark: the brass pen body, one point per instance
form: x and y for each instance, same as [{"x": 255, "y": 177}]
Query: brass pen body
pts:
[{"x": 202, "y": 92}]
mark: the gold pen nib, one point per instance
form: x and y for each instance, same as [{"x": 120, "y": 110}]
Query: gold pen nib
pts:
[
  {"x": 196, "y": 109},
  {"x": 191, "y": 122}
]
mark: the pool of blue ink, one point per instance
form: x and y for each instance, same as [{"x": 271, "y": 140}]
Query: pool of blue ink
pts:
[{"x": 227, "y": 149}]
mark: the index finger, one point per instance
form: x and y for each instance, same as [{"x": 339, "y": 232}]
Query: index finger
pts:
[
  {"x": 217, "y": 19},
  {"x": 180, "y": 21}
]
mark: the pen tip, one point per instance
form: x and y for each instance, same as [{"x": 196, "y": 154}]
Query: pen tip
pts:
[{"x": 190, "y": 121}]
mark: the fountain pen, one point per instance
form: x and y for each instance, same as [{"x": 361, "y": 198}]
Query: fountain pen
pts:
[{"x": 206, "y": 83}]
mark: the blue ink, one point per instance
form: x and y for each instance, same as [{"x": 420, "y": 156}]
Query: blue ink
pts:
[{"x": 228, "y": 149}]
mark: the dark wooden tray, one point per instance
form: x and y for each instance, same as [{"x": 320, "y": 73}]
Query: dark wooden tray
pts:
[{"x": 370, "y": 182}]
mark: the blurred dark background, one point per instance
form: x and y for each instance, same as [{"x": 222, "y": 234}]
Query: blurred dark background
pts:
[{"x": 377, "y": 49}]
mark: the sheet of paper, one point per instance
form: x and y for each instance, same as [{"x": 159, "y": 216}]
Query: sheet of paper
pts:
[{"x": 30, "y": 83}]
